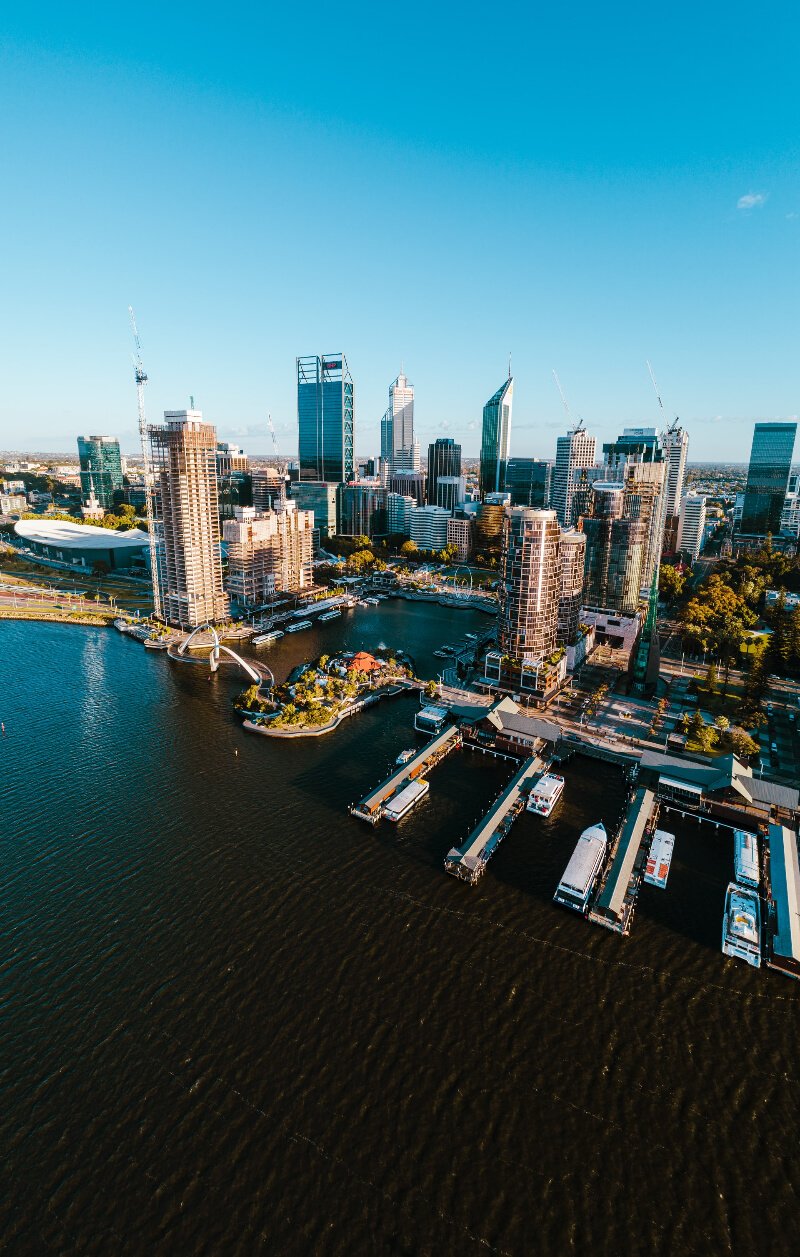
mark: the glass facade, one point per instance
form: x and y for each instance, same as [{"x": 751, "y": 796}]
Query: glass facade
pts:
[
  {"x": 496, "y": 439},
  {"x": 528, "y": 482},
  {"x": 528, "y": 617},
  {"x": 768, "y": 477},
  {"x": 325, "y": 418},
  {"x": 101, "y": 468},
  {"x": 444, "y": 459}
]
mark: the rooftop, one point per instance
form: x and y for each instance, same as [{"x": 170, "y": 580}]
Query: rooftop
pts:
[{"x": 60, "y": 532}]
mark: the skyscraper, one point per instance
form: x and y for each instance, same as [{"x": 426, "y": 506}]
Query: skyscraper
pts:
[
  {"x": 572, "y": 558},
  {"x": 676, "y": 447},
  {"x": 234, "y": 482},
  {"x": 101, "y": 468},
  {"x": 188, "y": 582},
  {"x": 444, "y": 459},
  {"x": 325, "y": 417},
  {"x": 636, "y": 459},
  {"x": 531, "y": 585},
  {"x": 496, "y": 439},
  {"x": 615, "y": 553},
  {"x": 401, "y": 411},
  {"x": 574, "y": 451},
  {"x": 692, "y": 524},
  {"x": 767, "y": 477},
  {"x": 528, "y": 482}
]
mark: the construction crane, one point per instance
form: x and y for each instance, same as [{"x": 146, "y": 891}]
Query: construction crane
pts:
[
  {"x": 564, "y": 401},
  {"x": 671, "y": 427},
  {"x": 271, "y": 427},
  {"x": 140, "y": 377}
]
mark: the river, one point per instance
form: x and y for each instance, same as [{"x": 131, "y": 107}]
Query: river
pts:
[{"x": 236, "y": 1020}]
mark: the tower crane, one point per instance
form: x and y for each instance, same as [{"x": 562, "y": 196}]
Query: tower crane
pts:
[
  {"x": 271, "y": 427},
  {"x": 140, "y": 376},
  {"x": 676, "y": 421},
  {"x": 564, "y": 402}
]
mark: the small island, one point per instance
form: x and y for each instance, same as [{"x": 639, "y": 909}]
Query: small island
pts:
[{"x": 316, "y": 697}]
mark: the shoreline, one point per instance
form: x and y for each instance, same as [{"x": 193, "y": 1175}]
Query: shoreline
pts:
[{"x": 58, "y": 617}]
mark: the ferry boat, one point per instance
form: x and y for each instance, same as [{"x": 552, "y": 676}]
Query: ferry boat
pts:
[
  {"x": 741, "y": 925},
  {"x": 545, "y": 794},
  {"x": 371, "y": 602},
  {"x": 295, "y": 628},
  {"x": 408, "y": 798},
  {"x": 659, "y": 859},
  {"x": 440, "y": 654},
  {"x": 333, "y": 614},
  {"x": 271, "y": 636},
  {"x": 580, "y": 875},
  {"x": 745, "y": 858},
  {"x": 404, "y": 757}
]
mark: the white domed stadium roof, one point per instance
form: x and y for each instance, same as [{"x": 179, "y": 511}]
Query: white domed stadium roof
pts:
[{"x": 60, "y": 532}]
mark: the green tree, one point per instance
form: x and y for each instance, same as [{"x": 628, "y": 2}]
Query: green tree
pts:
[
  {"x": 409, "y": 547},
  {"x": 670, "y": 582},
  {"x": 711, "y": 678},
  {"x": 739, "y": 741}
]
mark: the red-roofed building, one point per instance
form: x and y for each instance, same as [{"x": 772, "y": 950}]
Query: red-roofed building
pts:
[{"x": 362, "y": 662}]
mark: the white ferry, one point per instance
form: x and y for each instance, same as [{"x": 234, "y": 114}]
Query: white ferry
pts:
[
  {"x": 371, "y": 602},
  {"x": 404, "y": 757},
  {"x": 271, "y": 636},
  {"x": 545, "y": 794},
  {"x": 295, "y": 628},
  {"x": 741, "y": 925},
  {"x": 333, "y": 614},
  {"x": 745, "y": 858},
  {"x": 408, "y": 798},
  {"x": 582, "y": 871},
  {"x": 659, "y": 859}
]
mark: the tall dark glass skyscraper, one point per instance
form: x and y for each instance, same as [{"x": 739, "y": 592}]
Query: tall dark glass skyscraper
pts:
[
  {"x": 444, "y": 459},
  {"x": 496, "y": 439},
  {"x": 101, "y": 467},
  {"x": 528, "y": 482},
  {"x": 325, "y": 418},
  {"x": 767, "y": 477}
]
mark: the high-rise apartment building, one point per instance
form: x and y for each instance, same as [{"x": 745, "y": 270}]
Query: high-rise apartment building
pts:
[
  {"x": 100, "y": 468},
  {"x": 528, "y": 482},
  {"x": 496, "y": 439},
  {"x": 269, "y": 552},
  {"x": 459, "y": 534},
  {"x": 790, "y": 515},
  {"x": 268, "y": 488},
  {"x": 572, "y": 559},
  {"x": 325, "y": 416},
  {"x": 675, "y": 442},
  {"x": 187, "y": 585},
  {"x": 234, "y": 483},
  {"x": 636, "y": 459},
  {"x": 767, "y": 477},
  {"x": 692, "y": 525},
  {"x": 615, "y": 553},
  {"x": 531, "y": 584},
  {"x": 574, "y": 452},
  {"x": 444, "y": 459}
]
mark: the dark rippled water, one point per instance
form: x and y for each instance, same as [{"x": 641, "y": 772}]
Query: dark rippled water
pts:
[{"x": 236, "y": 1021}]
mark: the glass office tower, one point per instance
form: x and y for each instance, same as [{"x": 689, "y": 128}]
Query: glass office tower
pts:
[
  {"x": 101, "y": 468},
  {"x": 528, "y": 482},
  {"x": 325, "y": 418},
  {"x": 767, "y": 477},
  {"x": 444, "y": 459},
  {"x": 496, "y": 439}
]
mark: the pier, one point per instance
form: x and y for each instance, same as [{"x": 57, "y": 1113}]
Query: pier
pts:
[
  {"x": 469, "y": 861},
  {"x": 371, "y": 807},
  {"x": 614, "y": 905}
]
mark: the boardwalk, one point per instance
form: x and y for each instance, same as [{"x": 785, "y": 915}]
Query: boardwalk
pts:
[{"x": 469, "y": 861}]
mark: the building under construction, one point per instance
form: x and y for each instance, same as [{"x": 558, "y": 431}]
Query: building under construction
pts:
[{"x": 185, "y": 520}]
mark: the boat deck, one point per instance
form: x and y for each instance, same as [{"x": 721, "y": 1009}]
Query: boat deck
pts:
[
  {"x": 370, "y": 808},
  {"x": 468, "y": 862}
]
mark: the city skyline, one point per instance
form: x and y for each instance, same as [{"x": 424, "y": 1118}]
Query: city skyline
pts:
[{"x": 614, "y": 235}]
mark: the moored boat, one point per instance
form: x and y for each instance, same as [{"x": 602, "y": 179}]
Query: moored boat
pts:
[
  {"x": 405, "y": 800},
  {"x": 333, "y": 614},
  {"x": 271, "y": 636},
  {"x": 545, "y": 794},
  {"x": 659, "y": 859},
  {"x": 741, "y": 925},
  {"x": 404, "y": 757},
  {"x": 745, "y": 858},
  {"x": 580, "y": 875},
  {"x": 295, "y": 628}
]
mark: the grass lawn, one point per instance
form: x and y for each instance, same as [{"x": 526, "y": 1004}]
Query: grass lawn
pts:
[{"x": 127, "y": 595}]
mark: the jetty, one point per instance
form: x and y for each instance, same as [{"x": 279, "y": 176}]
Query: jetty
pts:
[
  {"x": 468, "y": 862},
  {"x": 783, "y": 901},
  {"x": 371, "y": 807},
  {"x": 616, "y": 901}
]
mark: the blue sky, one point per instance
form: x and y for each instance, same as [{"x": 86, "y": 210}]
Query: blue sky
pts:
[{"x": 583, "y": 186}]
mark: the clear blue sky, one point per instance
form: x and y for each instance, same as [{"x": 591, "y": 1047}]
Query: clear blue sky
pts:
[{"x": 585, "y": 186}]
